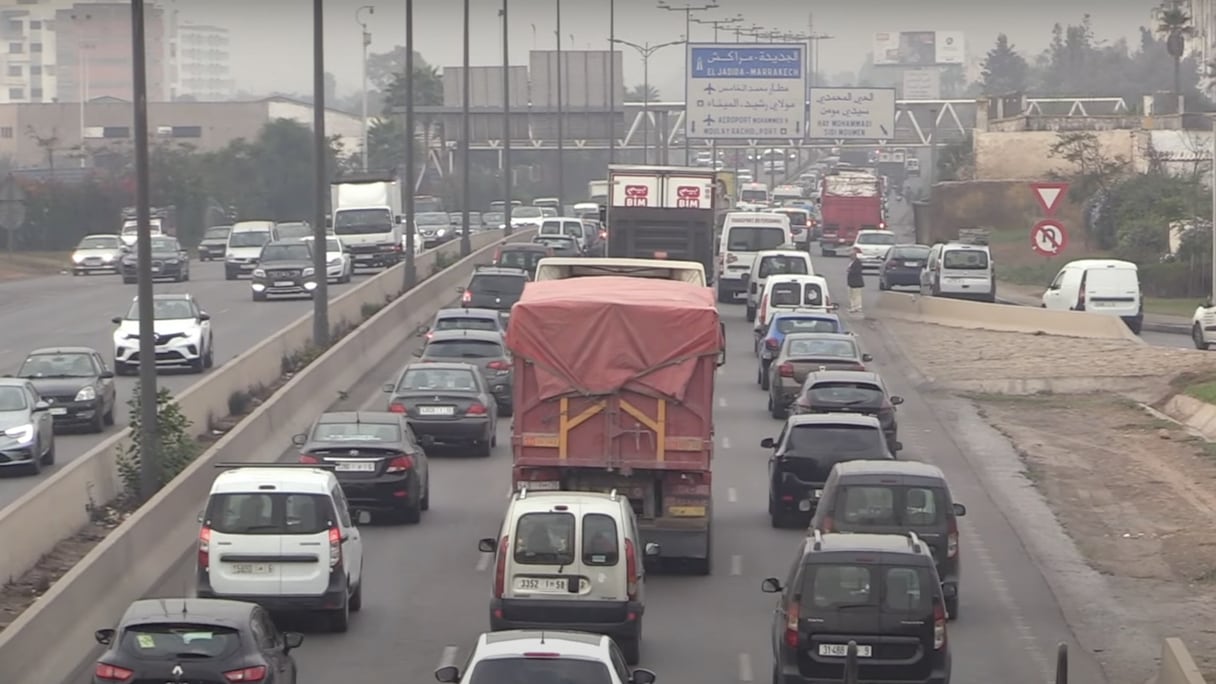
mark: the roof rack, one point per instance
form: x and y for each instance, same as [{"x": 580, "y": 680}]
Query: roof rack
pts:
[
  {"x": 818, "y": 536},
  {"x": 612, "y": 495},
  {"x": 285, "y": 466},
  {"x": 523, "y": 492},
  {"x": 914, "y": 542}
]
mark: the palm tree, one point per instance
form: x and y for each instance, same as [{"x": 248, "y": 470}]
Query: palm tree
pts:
[
  {"x": 642, "y": 93},
  {"x": 1174, "y": 23}
]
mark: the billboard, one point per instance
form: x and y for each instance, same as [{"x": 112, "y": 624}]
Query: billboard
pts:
[
  {"x": 745, "y": 91},
  {"x": 585, "y": 79},
  {"x": 485, "y": 86},
  {"x": 922, "y": 84},
  {"x": 919, "y": 48}
]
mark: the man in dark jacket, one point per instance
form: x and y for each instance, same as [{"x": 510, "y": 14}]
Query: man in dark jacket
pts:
[{"x": 856, "y": 281}]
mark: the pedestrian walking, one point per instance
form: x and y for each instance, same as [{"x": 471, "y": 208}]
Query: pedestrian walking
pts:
[{"x": 856, "y": 282}]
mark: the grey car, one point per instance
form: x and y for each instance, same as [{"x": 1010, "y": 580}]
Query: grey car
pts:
[
  {"x": 446, "y": 404},
  {"x": 97, "y": 254},
  {"x": 481, "y": 348},
  {"x": 214, "y": 243},
  {"x": 27, "y": 432},
  {"x": 468, "y": 319}
]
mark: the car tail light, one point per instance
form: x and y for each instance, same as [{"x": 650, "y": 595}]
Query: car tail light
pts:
[
  {"x": 466, "y": 297},
  {"x": 631, "y": 570},
  {"x": 204, "y": 547},
  {"x": 786, "y": 370},
  {"x": 335, "y": 548},
  {"x": 477, "y": 409},
  {"x": 400, "y": 464},
  {"x": 500, "y": 568},
  {"x": 939, "y": 626},
  {"x": 309, "y": 458},
  {"x": 256, "y": 673},
  {"x": 430, "y": 334},
  {"x": 497, "y": 256},
  {"x": 791, "y": 625},
  {"x": 603, "y": 234},
  {"x": 771, "y": 344},
  {"x": 827, "y": 524},
  {"x": 952, "y": 537},
  {"x": 498, "y": 365},
  {"x": 396, "y": 248},
  {"x": 882, "y": 225},
  {"x": 112, "y": 673},
  {"x": 396, "y": 407}
]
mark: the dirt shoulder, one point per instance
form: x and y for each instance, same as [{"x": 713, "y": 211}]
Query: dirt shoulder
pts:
[
  {"x": 21, "y": 265},
  {"x": 1137, "y": 495}
]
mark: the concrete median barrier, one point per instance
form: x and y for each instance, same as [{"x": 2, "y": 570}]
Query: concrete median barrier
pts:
[
  {"x": 63, "y": 503},
  {"x": 1177, "y": 665},
  {"x": 960, "y": 313}
]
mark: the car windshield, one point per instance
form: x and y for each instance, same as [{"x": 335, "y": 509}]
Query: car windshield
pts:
[
  {"x": 890, "y": 506},
  {"x": 910, "y": 253},
  {"x": 269, "y": 513},
  {"x": 363, "y": 222},
  {"x": 100, "y": 242},
  {"x": 526, "y": 212},
  {"x": 164, "y": 245},
  {"x": 493, "y": 218},
  {"x": 520, "y": 258},
  {"x": 288, "y": 231},
  {"x": 755, "y": 238},
  {"x": 536, "y": 670},
  {"x": 217, "y": 233},
  {"x": 876, "y": 239},
  {"x": 965, "y": 259},
  {"x": 179, "y": 640},
  {"x": 467, "y": 323},
  {"x": 846, "y": 393},
  {"x": 497, "y": 284},
  {"x": 432, "y": 219},
  {"x": 438, "y": 379},
  {"x": 463, "y": 349},
  {"x": 545, "y": 539},
  {"x": 787, "y": 325},
  {"x": 821, "y": 348},
  {"x": 164, "y": 310},
  {"x": 834, "y": 440},
  {"x": 249, "y": 238},
  {"x": 797, "y": 218},
  {"x": 357, "y": 432},
  {"x": 58, "y": 366},
  {"x": 292, "y": 252},
  {"x": 890, "y": 588},
  {"x": 783, "y": 265},
  {"x": 12, "y": 399}
]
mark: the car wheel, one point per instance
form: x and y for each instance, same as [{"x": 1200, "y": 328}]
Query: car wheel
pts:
[
  {"x": 37, "y": 461},
  {"x": 98, "y": 424},
  {"x": 186, "y": 276},
  {"x": 751, "y": 314},
  {"x": 426, "y": 494},
  {"x": 631, "y": 646},
  {"x": 209, "y": 357},
  {"x": 129, "y": 281},
  {"x": 723, "y": 297},
  {"x": 493, "y": 438},
  {"x": 483, "y": 450},
  {"x": 121, "y": 368},
  {"x": 764, "y": 380},
  {"x": 229, "y": 274},
  {"x": 49, "y": 457},
  {"x": 776, "y": 520},
  {"x": 259, "y": 297},
  {"x": 339, "y": 620},
  {"x": 1197, "y": 338},
  {"x": 507, "y": 410},
  {"x": 952, "y": 608},
  {"x": 109, "y": 416},
  {"x": 356, "y": 599},
  {"x": 775, "y": 410},
  {"x": 411, "y": 514},
  {"x": 882, "y": 284}
]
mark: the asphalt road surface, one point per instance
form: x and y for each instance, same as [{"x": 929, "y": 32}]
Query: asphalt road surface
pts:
[
  {"x": 64, "y": 310},
  {"x": 428, "y": 588}
]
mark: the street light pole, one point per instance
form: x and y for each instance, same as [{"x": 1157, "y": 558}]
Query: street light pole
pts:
[
  {"x": 718, "y": 24},
  {"x": 410, "y": 273},
  {"x": 466, "y": 246},
  {"x": 149, "y": 434},
  {"x": 506, "y": 122},
  {"x": 367, "y": 41},
  {"x": 561, "y": 181},
  {"x": 646, "y": 50},
  {"x": 611, "y": 81},
  {"x": 320, "y": 296},
  {"x": 688, "y": 9},
  {"x": 82, "y": 77}
]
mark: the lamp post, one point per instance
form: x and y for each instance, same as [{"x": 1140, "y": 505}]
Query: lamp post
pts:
[
  {"x": 688, "y": 10},
  {"x": 612, "y": 81},
  {"x": 367, "y": 41},
  {"x": 320, "y": 296},
  {"x": 82, "y": 76},
  {"x": 814, "y": 39},
  {"x": 410, "y": 273},
  {"x": 742, "y": 32},
  {"x": 646, "y": 50},
  {"x": 561, "y": 144},
  {"x": 466, "y": 246},
  {"x": 719, "y": 23},
  {"x": 506, "y": 122}
]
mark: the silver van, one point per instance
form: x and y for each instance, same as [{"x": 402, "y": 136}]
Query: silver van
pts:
[{"x": 959, "y": 270}]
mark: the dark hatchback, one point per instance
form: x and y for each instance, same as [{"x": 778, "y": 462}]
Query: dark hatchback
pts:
[
  {"x": 803, "y": 456},
  {"x": 169, "y": 261},
  {"x": 76, "y": 383},
  {"x": 214, "y": 244},
  {"x": 376, "y": 459},
  {"x": 448, "y": 404},
  {"x": 284, "y": 269},
  {"x": 902, "y": 266},
  {"x": 521, "y": 255},
  {"x": 196, "y": 641},
  {"x": 494, "y": 287},
  {"x": 880, "y": 591},
  {"x": 836, "y": 391}
]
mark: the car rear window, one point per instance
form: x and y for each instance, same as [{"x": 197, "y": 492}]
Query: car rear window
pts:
[
  {"x": 357, "y": 432},
  {"x": 840, "y": 349},
  {"x": 965, "y": 259},
  {"x": 600, "y": 546},
  {"x": 441, "y": 379},
  {"x": 528, "y": 670},
  {"x": 876, "y": 239},
  {"x": 755, "y": 238},
  {"x": 842, "y": 441},
  {"x": 797, "y": 218},
  {"x": 521, "y": 258},
  {"x": 498, "y": 284},
  {"x": 545, "y": 539},
  {"x": 463, "y": 349},
  {"x": 890, "y": 505},
  {"x": 455, "y": 323},
  {"x": 179, "y": 641},
  {"x": 911, "y": 253},
  {"x": 896, "y": 588},
  {"x": 782, "y": 265},
  {"x": 269, "y": 513},
  {"x": 845, "y": 393},
  {"x": 788, "y": 325}
]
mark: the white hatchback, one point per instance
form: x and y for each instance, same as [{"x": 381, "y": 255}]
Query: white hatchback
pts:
[
  {"x": 536, "y": 656},
  {"x": 873, "y": 246}
]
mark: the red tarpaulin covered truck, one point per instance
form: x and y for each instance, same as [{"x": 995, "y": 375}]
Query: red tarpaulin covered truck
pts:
[
  {"x": 614, "y": 389},
  {"x": 850, "y": 201}
]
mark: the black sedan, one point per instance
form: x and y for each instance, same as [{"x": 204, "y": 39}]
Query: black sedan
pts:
[
  {"x": 376, "y": 458},
  {"x": 169, "y": 261},
  {"x": 196, "y": 640},
  {"x": 902, "y": 266},
  {"x": 76, "y": 383},
  {"x": 447, "y": 404}
]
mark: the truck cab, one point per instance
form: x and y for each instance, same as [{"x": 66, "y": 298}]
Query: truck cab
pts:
[{"x": 367, "y": 218}]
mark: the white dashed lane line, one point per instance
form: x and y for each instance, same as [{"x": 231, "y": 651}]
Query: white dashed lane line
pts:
[
  {"x": 726, "y": 442},
  {"x": 736, "y": 565},
  {"x": 745, "y": 668},
  {"x": 483, "y": 562},
  {"x": 732, "y": 495}
]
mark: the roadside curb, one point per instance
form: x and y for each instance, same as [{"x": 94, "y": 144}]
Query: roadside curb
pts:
[{"x": 1151, "y": 326}]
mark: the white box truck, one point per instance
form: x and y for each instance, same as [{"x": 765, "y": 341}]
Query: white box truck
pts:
[{"x": 367, "y": 218}]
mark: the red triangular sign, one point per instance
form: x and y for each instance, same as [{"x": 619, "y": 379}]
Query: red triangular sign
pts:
[{"x": 1049, "y": 196}]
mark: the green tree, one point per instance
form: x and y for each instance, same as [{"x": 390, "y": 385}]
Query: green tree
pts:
[
  {"x": 642, "y": 93},
  {"x": 428, "y": 86},
  {"x": 1175, "y": 24},
  {"x": 1004, "y": 69},
  {"x": 177, "y": 447}
]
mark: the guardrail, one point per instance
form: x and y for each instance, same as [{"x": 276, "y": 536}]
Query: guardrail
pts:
[{"x": 62, "y": 504}]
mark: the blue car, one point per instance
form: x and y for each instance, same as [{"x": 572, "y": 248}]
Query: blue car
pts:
[{"x": 787, "y": 322}]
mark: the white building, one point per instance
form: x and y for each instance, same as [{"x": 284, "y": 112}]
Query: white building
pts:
[
  {"x": 27, "y": 52},
  {"x": 200, "y": 63},
  {"x": 1203, "y": 18}
]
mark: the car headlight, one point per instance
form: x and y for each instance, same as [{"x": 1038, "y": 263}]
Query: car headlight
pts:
[
  {"x": 77, "y": 258},
  {"x": 259, "y": 273},
  {"x": 86, "y": 394},
  {"x": 308, "y": 271},
  {"x": 229, "y": 257},
  {"x": 108, "y": 257},
  {"x": 22, "y": 433}
]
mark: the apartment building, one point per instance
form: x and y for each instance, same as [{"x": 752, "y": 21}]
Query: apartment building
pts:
[
  {"x": 27, "y": 52},
  {"x": 93, "y": 51},
  {"x": 200, "y": 62}
]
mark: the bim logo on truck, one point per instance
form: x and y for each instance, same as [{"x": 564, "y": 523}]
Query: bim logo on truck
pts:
[
  {"x": 688, "y": 197},
  {"x": 637, "y": 196}
]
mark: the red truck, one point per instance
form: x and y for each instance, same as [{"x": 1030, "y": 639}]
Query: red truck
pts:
[
  {"x": 849, "y": 201},
  {"x": 614, "y": 389}
]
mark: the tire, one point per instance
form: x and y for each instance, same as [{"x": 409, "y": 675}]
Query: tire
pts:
[
  {"x": 631, "y": 646},
  {"x": 776, "y": 520},
  {"x": 185, "y": 277},
  {"x": 764, "y": 379},
  {"x": 724, "y": 297},
  {"x": 356, "y": 599},
  {"x": 339, "y": 620},
  {"x": 129, "y": 281},
  {"x": 209, "y": 357},
  {"x": 198, "y": 365},
  {"x": 109, "y": 416},
  {"x": 507, "y": 410},
  {"x": 426, "y": 495},
  {"x": 229, "y": 274},
  {"x": 35, "y": 467},
  {"x": 827, "y": 252},
  {"x": 1197, "y": 338},
  {"x": 776, "y": 411},
  {"x": 751, "y": 314},
  {"x": 882, "y": 285},
  {"x": 1136, "y": 327},
  {"x": 49, "y": 457},
  {"x": 259, "y": 297},
  {"x": 98, "y": 424},
  {"x": 483, "y": 450},
  {"x": 952, "y": 608},
  {"x": 121, "y": 368}
]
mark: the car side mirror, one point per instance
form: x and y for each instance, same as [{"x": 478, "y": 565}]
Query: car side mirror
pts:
[
  {"x": 960, "y": 510},
  {"x": 41, "y": 406},
  {"x": 896, "y": 400},
  {"x": 417, "y": 353},
  {"x": 106, "y": 375},
  {"x": 898, "y": 446},
  {"x": 389, "y": 388},
  {"x": 652, "y": 549},
  {"x": 1056, "y": 286},
  {"x": 867, "y": 357},
  {"x": 299, "y": 440},
  {"x": 767, "y": 443},
  {"x": 105, "y": 637},
  {"x": 642, "y": 676},
  {"x": 771, "y": 585},
  {"x": 486, "y": 545},
  {"x": 460, "y": 290},
  {"x": 399, "y": 219},
  {"x": 117, "y": 320},
  {"x": 448, "y": 674},
  {"x": 292, "y": 641},
  {"x": 204, "y": 316}
]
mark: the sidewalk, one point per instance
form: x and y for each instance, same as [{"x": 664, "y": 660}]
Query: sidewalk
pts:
[{"x": 1024, "y": 295}]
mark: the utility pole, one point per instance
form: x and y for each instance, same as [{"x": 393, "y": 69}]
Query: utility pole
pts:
[
  {"x": 320, "y": 146},
  {"x": 508, "y": 172},
  {"x": 612, "y": 81},
  {"x": 561, "y": 182},
  {"x": 646, "y": 50},
  {"x": 410, "y": 274},
  {"x": 1212, "y": 173},
  {"x": 367, "y": 41},
  {"x": 688, "y": 10},
  {"x": 466, "y": 246},
  {"x": 719, "y": 23},
  {"x": 149, "y": 433}
]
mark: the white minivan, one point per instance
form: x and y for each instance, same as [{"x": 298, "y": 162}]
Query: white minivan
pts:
[
  {"x": 570, "y": 560},
  {"x": 774, "y": 262},
  {"x": 789, "y": 293},
  {"x": 959, "y": 270},
  {"x": 1103, "y": 286},
  {"x": 245, "y": 243},
  {"x": 745, "y": 234}
]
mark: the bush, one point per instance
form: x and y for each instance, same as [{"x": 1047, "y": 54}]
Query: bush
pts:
[
  {"x": 177, "y": 447},
  {"x": 1175, "y": 279}
]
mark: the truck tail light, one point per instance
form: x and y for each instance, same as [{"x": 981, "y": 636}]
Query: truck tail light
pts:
[
  {"x": 204, "y": 547},
  {"x": 400, "y": 464},
  {"x": 500, "y": 568},
  {"x": 786, "y": 370}
]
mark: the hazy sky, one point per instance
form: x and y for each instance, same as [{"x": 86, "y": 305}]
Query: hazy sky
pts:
[{"x": 272, "y": 39}]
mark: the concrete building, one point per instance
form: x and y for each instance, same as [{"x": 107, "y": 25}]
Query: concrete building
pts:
[
  {"x": 200, "y": 63},
  {"x": 1203, "y": 19},
  {"x": 93, "y": 52},
  {"x": 27, "y": 52},
  {"x": 39, "y": 135}
]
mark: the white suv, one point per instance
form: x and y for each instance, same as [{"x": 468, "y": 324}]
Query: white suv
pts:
[
  {"x": 281, "y": 536},
  {"x": 183, "y": 335},
  {"x": 534, "y": 656}
]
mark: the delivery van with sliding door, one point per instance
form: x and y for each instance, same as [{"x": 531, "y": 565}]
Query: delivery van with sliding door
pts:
[
  {"x": 744, "y": 235},
  {"x": 789, "y": 293},
  {"x": 958, "y": 270},
  {"x": 1103, "y": 286}
]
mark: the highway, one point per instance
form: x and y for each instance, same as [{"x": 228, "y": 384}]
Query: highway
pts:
[{"x": 63, "y": 310}]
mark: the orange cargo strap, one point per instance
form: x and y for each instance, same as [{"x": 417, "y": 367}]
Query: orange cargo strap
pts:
[
  {"x": 566, "y": 424},
  {"x": 659, "y": 426}
]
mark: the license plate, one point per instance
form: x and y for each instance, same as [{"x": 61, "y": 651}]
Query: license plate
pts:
[
  {"x": 842, "y": 650},
  {"x": 252, "y": 568},
  {"x": 804, "y": 505},
  {"x": 283, "y": 283},
  {"x": 436, "y": 410},
  {"x": 155, "y": 269},
  {"x": 59, "y": 412},
  {"x": 912, "y": 263},
  {"x": 686, "y": 511},
  {"x": 818, "y": 493},
  {"x": 543, "y": 585},
  {"x": 360, "y": 467}
]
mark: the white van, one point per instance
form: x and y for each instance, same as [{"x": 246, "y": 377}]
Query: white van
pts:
[
  {"x": 744, "y": 234},
  {"x": 281, "y": 537},
  {"x": 570, "y": 558},
  {"x": 1102, "y": 286},
  {"x": 245, "y": 243},
  {"x": 560, "y": 268},
  {"x": 773, "y": 262},
  {"x": 800, "y": 223},
  {"x": 790, "y": 292},
  {"x": 565, "y": 225},
  {"x": 755, "y": 194},
  {"x": 959, "y": 270}
]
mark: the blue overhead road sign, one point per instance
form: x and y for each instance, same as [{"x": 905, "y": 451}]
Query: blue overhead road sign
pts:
[{"x": 738, "y": 92}]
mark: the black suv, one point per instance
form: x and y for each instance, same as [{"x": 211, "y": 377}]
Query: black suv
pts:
[
  {"x": 878, "y": 590},
  {"x": 284, "y": 269},
  {"x": 494, "y": 287}
]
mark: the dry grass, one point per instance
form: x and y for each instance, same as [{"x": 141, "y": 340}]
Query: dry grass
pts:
[{"x": 32, "y": 264}]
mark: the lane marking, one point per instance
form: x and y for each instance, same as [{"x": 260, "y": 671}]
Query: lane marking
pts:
[
  {"x": 732, "y": 495},
  {"x": 745, "y": 668},
  {"x": 725, "y": 442},
  {"x": 736, "y": 567},
  {"x": 448, "y": 657},
  {"x": 224, "y": 311},
  {"x": 722, "y": 402},
  {"x": 483, "y": 563}
]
